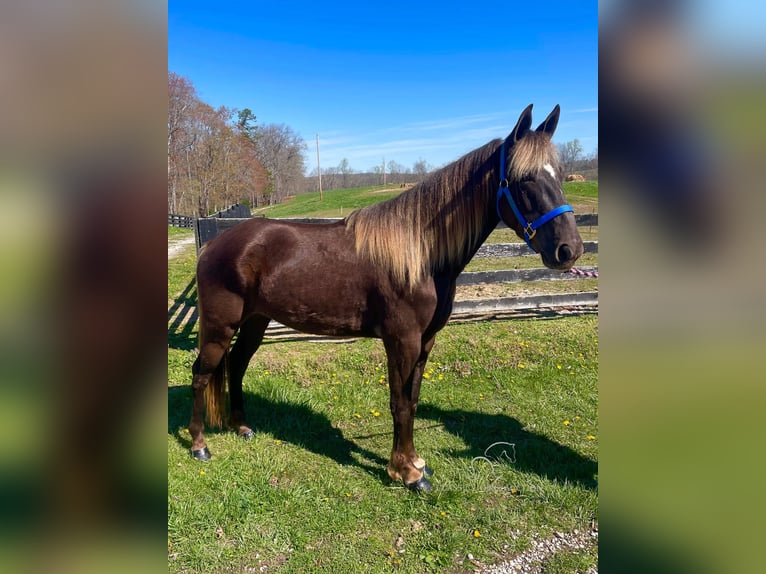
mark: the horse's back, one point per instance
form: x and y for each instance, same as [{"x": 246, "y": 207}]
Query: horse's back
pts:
[{"x": 260, "y": 243}]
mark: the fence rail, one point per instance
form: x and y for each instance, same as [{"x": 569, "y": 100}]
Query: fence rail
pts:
[
  {"x": 176, "y": 220},
  {"x": 207, "y": 228}
]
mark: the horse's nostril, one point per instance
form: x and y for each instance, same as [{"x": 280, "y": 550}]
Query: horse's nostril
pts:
[{"x": 563, "y": 253}]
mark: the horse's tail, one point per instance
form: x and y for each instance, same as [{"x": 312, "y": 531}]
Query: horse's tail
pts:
[{"x": 215, "y": 391}]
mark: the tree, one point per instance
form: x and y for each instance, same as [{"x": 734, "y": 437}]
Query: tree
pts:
[
  {"x": 280, "y": 150},
  {"x": 182, "y": 98},
  {"x": 421, "y": 168},
  {"x": 212, "y": 160},
  {"x": 570, "y": 153},
  {"x": 396, "y": 172},
  {"x": 246, "y": 124},
  {"x": 344, "y": 169}
]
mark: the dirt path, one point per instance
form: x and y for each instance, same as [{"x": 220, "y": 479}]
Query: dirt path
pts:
[{"x": 177, "y": 246}]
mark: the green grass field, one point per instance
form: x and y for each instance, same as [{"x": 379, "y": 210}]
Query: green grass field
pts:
[
  {"x": 334, "y": 203},
  {"x": 310, "y": 492}
]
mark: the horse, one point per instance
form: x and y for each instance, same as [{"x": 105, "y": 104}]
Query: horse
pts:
[{"x": 386, "y": 271}]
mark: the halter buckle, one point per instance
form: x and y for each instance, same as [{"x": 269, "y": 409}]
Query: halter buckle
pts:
[{"x": 529, "y": 231}]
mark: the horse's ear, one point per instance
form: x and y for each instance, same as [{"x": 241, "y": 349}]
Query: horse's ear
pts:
[
  {"x": 549, "y": 125},
  {"x": 523, "y": 125}
]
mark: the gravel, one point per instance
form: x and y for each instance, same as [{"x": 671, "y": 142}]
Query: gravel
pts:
[{"x": 532, "y": 561}]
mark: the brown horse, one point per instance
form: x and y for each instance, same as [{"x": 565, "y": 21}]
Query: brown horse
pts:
[{"x": 386, "y": 271}]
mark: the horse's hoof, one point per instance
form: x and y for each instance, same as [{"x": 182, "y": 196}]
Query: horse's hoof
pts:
[
  {"x": 247, "y": 435},
  {"x": 420, "y": 485},
  {"x": 202, "y": 454}
]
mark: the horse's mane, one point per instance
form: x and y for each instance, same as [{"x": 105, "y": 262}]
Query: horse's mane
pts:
[{"x": 437, "y": 222}]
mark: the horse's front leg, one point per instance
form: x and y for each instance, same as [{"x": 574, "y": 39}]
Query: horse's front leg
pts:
[
  {"x": 406, "y": 363},
  {"x": 417, "y": 378}
]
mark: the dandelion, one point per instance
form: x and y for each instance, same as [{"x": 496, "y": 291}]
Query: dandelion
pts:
[
  {"x": 426, "y": 376},
  {"x": 348, "y": 495},
  {"x": 567, "y": 423},
  {"x": 202, "y": 473},
  {"x": 441, "y": 377},
  {"x": 481, "y": 395},
  {"x": 266, "y": 372},
  {"x": 476, "y": 534},
  {"x": 577, "y": 417},
  {"x": 375, "y": 413},
  {"x": 521, "y": 365},
  {"x": 591, "y": 437},
  {"x": 514, "y": 490},
  {"x": 558, "y": 367},
  {"x": 357, "y": 416},
  {"x": 442, "y": 514}
]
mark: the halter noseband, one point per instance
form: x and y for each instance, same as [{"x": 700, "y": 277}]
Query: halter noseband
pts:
[{"x": 530, "y": 229}]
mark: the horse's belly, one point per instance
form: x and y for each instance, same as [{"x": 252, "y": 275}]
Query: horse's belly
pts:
[{"x": 333, "y": 315}]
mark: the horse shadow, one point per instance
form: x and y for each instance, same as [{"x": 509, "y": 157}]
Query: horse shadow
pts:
[
  {"x": 301, "y": 425},
  {"x": 535, "y": 453},
  {"x": 289, "y": 422},
  {"x": 182, "y": 319}
]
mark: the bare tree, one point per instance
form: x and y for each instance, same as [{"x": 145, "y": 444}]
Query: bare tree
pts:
[
  {"x": 421, "y": 169},
  {"x": 344, "y": 169},
  {"x": 182, "y": 99},
  {"x": 280, "y": 150},
  {"x": 570, "y": 153},
  {"x": 396, "y": 172}
]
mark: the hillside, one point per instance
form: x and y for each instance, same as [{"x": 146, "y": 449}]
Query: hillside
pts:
[{"x": 583, "y": 196}]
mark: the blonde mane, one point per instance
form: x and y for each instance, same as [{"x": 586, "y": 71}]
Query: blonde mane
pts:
[{"x": 440, "y": 221}]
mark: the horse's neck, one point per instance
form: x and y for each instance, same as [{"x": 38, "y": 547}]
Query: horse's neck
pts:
[{"x": 490, "y": 223}]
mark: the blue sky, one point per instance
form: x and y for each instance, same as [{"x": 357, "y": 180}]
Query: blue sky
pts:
[{"x": 397, "y": 80}]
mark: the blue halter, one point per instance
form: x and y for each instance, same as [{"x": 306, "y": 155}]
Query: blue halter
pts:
[{"x": 530, "y": 229}]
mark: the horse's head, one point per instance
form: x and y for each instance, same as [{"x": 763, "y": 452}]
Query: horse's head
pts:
[{"x": 530, "y": 199}]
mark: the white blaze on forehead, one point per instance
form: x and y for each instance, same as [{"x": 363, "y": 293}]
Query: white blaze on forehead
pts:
[{"x": 549, "y": 168}]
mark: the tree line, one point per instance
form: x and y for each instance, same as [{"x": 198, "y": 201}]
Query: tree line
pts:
[
  {"x": 344, "y": 176},
  {"x": 218, "y": 157}
]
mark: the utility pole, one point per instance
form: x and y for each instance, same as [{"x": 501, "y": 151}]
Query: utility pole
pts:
[{"x": 319, "y": 170}]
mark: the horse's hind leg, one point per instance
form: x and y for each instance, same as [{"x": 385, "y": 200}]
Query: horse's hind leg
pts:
[
  {"x": 209, "y": 365},
  {"x": 248, "y": 340},
  {"x": 209, "y": 369}
]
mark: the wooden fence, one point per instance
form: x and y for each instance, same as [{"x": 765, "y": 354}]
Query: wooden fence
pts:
[
  {"x": 237, "y": 210},
  {"x": 176, "y": 220}
]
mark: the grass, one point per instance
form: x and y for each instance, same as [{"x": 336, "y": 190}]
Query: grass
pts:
[
  {"x": 310, "y": 493},
  {"x": 179, "y": 232},
  {"x": 334, "y": 203}
]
